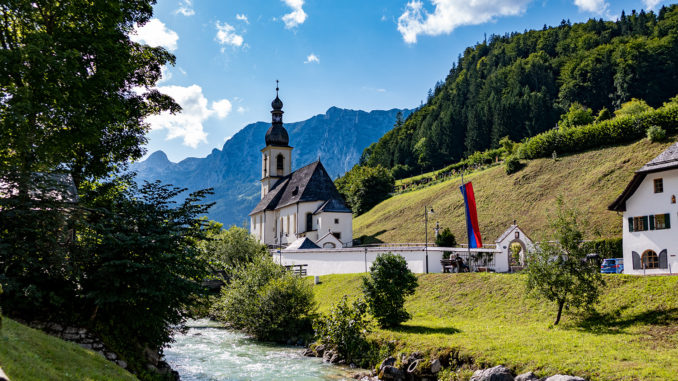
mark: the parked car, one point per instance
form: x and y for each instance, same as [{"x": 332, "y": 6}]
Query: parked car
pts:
[{"x": 612, "y": 266}]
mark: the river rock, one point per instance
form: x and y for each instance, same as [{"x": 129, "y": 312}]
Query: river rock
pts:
[
  {"x": 436, "y": 366},
  {"x": 389, "y": 361},
  {"x": 121, "y": 364},
  {"x": 562, "y": 377},
  {"x": 320, "y": 350},
  {"x": 498, "y": 373},
  {"x": 3, "y": 376},
  {"x": 391, "y": 373},
  {"x": 529, "y": 376},
  {"x": 308, "y": 352}
]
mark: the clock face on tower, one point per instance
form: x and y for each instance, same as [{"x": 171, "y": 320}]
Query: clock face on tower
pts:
[{"x": 277, "y": 118}]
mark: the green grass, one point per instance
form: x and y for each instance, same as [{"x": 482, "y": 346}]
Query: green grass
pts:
[
  {"x": 589, "y": 181},
  {"x": 632, "y": 336},
  {"x": 29, "y": 354}
]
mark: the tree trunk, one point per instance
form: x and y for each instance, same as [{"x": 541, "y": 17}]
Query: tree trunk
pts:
[{"x": 560, "y": 311}]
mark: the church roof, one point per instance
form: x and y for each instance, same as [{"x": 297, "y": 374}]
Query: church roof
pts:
[
  {"x": 665, "y": 161},
  {"x": 309, "y": 183},
  {"x": 333, "y": 205}
]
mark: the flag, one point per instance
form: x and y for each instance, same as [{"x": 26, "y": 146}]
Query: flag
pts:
[{"x": 474, "y": 240}]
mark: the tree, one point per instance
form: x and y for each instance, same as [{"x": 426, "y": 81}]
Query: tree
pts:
[
  {"x": 137, "y": 263},
  {"x": 267, "y": 301},
  {"x": 75, "y": 88},
  {"x": 386, "y": 287},
  {"x": 577, "y": 115},
  {"x": 559, "y": 271},
  {"x": 365, "y": 187},
  {"x": 345, "y": 329},
  {"x": 633, "y": 107},
  {"x": 446, "y": 239},
  {"x": 227, "y": 249}
]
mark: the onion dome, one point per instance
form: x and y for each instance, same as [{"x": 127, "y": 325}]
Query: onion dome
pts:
[
  {"x": 276, "y": 134},
  {"x": 277, "y": 103}
]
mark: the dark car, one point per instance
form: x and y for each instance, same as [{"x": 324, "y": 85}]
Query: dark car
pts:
[{"x": 612, "y": 266}]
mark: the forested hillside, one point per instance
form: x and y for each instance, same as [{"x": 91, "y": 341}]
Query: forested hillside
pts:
[{"x": 519, "y": 84}]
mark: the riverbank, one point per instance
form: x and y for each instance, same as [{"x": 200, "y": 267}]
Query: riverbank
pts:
[{"x": 485, "y": 320}]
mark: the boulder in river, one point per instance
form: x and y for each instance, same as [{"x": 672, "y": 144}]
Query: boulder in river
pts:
[
  {"x": 562, "y": 377},
  {"x": 529, "y": 376}
]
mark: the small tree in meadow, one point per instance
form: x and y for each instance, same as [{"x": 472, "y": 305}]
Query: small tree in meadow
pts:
[
  {"x": 345, "y": 329},
  {"x": 559, "y": 271},
  {"x": 385, "y": 289}
]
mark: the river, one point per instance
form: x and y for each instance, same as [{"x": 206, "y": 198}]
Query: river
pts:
[{"x": 210, "y": 352}]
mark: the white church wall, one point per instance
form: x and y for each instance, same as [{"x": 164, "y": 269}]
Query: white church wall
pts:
[
  {"x": 331, "y": 222},
  {"x": 645, "y": 202}
]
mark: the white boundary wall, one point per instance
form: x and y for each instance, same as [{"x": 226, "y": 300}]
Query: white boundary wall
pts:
[{"x": 359, "y": 259}]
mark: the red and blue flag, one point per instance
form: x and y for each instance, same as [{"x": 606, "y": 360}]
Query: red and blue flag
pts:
[{"x": 474, "y": 240}]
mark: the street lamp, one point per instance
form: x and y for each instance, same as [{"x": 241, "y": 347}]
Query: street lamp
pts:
[{"x": 426, "y": 212}]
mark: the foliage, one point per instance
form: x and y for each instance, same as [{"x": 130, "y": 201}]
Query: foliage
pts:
[
  {"x": 140, "y": 261},
  {"x": 633, "y": 107},
  {"x": 507, "y": 144},
  {"x": 30, "y": 354},
  {"x": 446, "y": 239},
  {"x": 619, "y": 130},
  {"x": 559, "y": 271},
  {"x": 603, "y": 114},
  {"x": 365, "y": 187},
  {"x": 656, "y": 134},
  {"x": 577, "y": 115},
  {"x": 400, "y": 171},
  {"x": 512, "y": 165},
  {"x": 386, "y": 287},
  {"x": 225, "y": 249},
  {"x": 606, "y": 248},
  {"x": 266, "y": 301},
  {"x": 519, "y": 84},
  {"x": 345, "y": 329},
  {"x": 76, "y": 89}
]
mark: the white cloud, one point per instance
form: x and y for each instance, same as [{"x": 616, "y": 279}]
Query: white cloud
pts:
[
  {"x": 297, "y": 16},
  {"x": 155, "y": 33},
  {"x": 185, "y": 8},
  {"x": 188, "y": 124},
  {"x": 242, "y": 18},
  {"x": 226, "y": 35},
  {"x": 241, "y": 110},
  {"x": 312, "y": 58},
  {"x": 166, "y": 74},
  {"x": 651, "y": 4},
  {"x": 450, "y": 14},
  {"x": 594, "y": 6}
]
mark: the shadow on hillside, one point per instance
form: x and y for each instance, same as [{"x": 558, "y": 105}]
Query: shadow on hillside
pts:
[
  {"x": 614, "y": 323},
  {"x": 371, "y": 239},
  {"x": 419, "y": 329}
]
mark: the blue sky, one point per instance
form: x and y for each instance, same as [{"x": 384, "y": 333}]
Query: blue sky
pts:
[{"x": 357, "y": 54}]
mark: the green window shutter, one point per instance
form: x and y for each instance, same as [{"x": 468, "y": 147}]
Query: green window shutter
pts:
[
  {"x": 667, "y": 219},
  {"x": 645, "y": 223},
  {"x": 631, "y": 224},
  {"x": 651, "y": 221}
]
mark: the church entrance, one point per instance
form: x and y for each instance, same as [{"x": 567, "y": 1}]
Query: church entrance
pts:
[{"x": 517, "y": 253}]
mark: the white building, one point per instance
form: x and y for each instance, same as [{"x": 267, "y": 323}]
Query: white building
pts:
[
  {"x": 649, "y": 206},
  {"x": 303, "y": 203},
  {"x": 503, "y": 258}
]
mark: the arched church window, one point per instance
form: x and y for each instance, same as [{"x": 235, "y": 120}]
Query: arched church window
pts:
[
  {"x": 280, "y": 162},
  {"x": 650, "y": 260}
]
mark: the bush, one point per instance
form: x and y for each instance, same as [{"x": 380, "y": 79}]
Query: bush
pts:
[
  {"x": 606, "y": 248},
  {"x": 266, "y": 301},
  {"x": 656, "y": 134},
  {"x": 512, "y": 165},
  {"x": 225, "y": 249},
  {"x": 385, "y": 289},
  {"x": 446, "y": 239},
  {"x": 577, "y": 115},
  {"x": 633, "y": 107},
  {"x": 345, "y": 330}
]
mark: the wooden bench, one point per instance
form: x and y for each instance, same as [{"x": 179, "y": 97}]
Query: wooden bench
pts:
[{"x": 298, "y": 270}]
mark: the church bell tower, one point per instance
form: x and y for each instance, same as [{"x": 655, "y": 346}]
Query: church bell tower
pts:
[{"x": 276, "y": 157}]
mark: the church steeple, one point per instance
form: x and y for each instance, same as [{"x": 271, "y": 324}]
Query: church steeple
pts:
[
  {"x": 277, "y": 155},
  {"x": 277, "y": 134}
]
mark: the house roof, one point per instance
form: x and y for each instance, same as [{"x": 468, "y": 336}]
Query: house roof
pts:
[
  {"x": 665, "y": 161},
  {"x": 510, "y": 230},
  {"x": 302, "y": 243},
  {"x": 309, "y": 183}
]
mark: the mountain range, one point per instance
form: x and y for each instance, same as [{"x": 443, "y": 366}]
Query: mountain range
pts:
[{"x": 337, "y": 138}]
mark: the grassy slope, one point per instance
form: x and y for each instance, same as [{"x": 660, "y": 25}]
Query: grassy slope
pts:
[
  {"x": 487, "y": 316},
  {"x": 589, "y": 181},
  {"x": 28, "y": 354}
]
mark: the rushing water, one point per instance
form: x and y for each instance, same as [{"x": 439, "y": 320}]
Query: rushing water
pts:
[{"x": 209, "y": 352}]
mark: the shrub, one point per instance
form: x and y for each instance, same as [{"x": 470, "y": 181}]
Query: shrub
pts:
[
  {"x": 577, "y": 115},
  {"x": 345, "y": 329},
  {"x": 633, "y": 107},
  {"x": 512, "y": 165},
  {"x": 266, "y": 301},
  {"x": 656, "y": 134},
  {"x": 446, "y": 239},
  {"x": 606, "y": 248},
  {"x": 385, "y": 289}
]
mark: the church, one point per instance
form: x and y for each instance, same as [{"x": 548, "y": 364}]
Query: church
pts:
[{"x": 301, "y": 209}]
